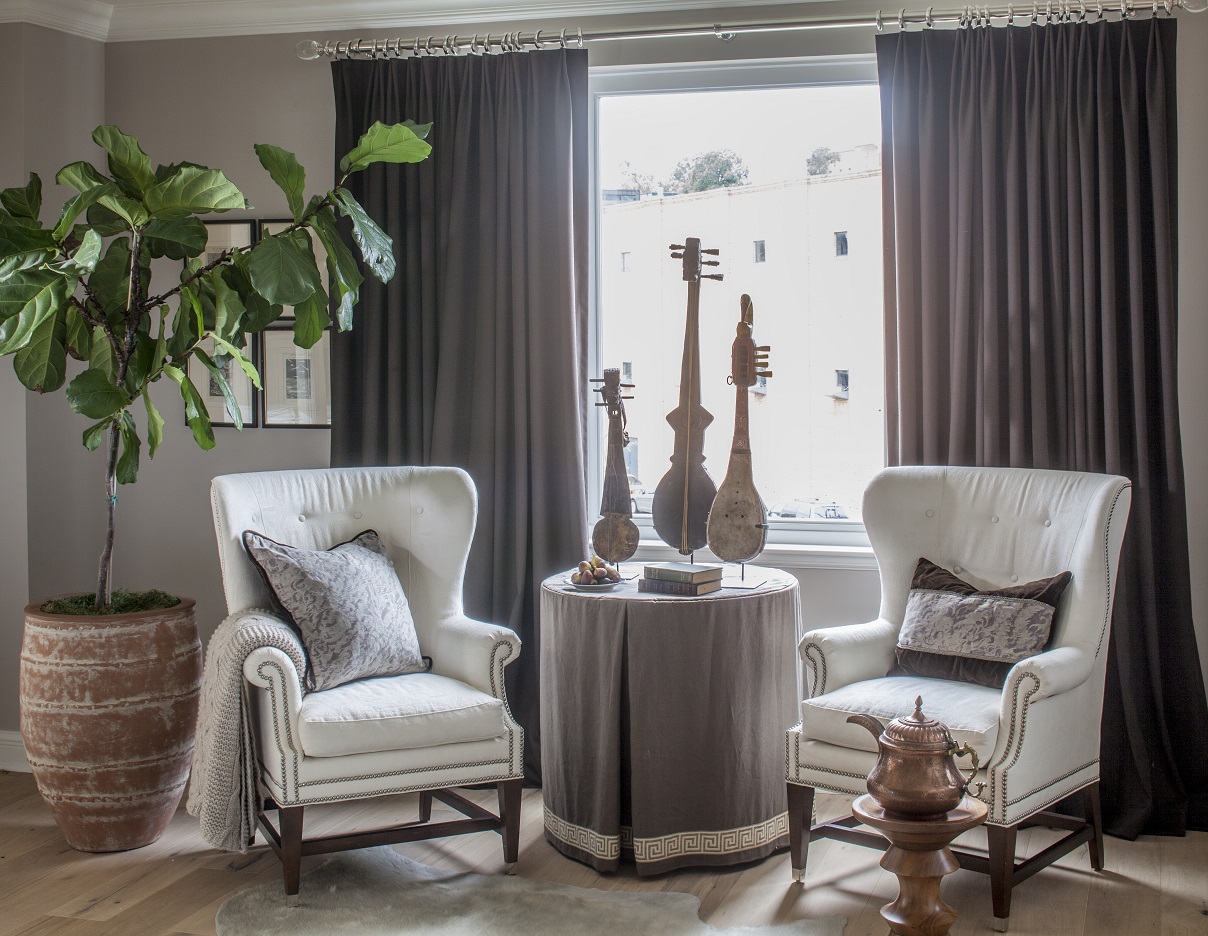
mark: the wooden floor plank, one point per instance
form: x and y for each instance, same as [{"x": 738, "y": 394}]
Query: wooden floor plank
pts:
[{"x": 175, "y": 887}]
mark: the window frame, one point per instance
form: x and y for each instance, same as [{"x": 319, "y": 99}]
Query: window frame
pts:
[{"x": 828, "y": 544}]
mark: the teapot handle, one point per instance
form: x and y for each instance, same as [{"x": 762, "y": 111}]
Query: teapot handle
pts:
[{"x": 961, "y": 752}]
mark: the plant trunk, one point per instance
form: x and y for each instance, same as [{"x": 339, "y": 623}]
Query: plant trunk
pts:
[{"x": 104, "y": 584}]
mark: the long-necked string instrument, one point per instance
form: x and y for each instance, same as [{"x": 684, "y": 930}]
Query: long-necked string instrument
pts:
[
  {"x": 738, "y": 522},
  {"x": 680, "y": 508},
  {"x": 615, "y": 537}
]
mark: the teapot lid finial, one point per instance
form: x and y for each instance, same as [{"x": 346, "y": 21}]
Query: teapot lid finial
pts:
[{"x": 918, "y": 710}]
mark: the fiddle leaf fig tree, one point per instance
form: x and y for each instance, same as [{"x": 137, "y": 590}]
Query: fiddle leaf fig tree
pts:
[{"x": 82, "y": 287}]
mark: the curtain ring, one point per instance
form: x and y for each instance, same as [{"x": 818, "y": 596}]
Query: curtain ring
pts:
[
  {"x": 927, "y": 22},
  {"x": 1168, "y": 4},
  {"x": 580, "y": 36},
  {"x": 537, "y": 39},
  {"x": 562, "y": 37},
  {"x": 902, "y": 19},
  {"x": 1010, "y": 14},
  {"x": 880, "y": 25}
]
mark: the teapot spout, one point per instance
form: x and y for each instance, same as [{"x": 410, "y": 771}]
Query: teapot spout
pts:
[{"x": 867, "y": 721}]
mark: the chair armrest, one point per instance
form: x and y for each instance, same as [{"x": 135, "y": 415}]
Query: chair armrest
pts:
[
  {"x": 1046, "y": 674},
  {"x": 474, "y": 653},
  {"x": 834, "y": 657},
  {"x": 270, "y": 668}
]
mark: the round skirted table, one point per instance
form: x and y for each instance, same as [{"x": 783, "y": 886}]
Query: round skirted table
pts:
[{"x": 663, "y": 721}]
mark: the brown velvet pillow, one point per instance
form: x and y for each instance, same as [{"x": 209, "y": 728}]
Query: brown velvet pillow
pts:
[{"x": 953, "y": 630}]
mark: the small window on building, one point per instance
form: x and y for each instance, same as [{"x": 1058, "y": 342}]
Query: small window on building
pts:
[
  {"x": 760, "y": 252},
  {"x": 627, "y": 371},
  {"x": 760, "y": 386},
  {"x": 840, "y": 243},
  {"x": 841, "y": 383},
  {"x": 625, "y": 261}
]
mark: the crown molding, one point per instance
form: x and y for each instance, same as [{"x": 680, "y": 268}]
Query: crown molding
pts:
[
  {"x": 87, "y": 18},
  {"x": 132, "y": 20}
]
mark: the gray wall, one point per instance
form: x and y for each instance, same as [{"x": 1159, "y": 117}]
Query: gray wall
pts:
[{"x": 209, "y": 100}]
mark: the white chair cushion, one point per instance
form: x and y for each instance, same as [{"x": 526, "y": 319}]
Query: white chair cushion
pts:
[
  {"x": 969, "y": 711},
  {"x": 396, "y": 713}
]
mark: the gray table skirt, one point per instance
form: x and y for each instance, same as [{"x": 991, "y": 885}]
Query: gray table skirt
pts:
[{"x": 663, "y": 722}]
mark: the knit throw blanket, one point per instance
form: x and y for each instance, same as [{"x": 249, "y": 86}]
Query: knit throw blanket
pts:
[{"x": 222, "y": 791}]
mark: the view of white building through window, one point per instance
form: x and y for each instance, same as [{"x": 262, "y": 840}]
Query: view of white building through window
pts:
[{"x": 785, "y": 170}]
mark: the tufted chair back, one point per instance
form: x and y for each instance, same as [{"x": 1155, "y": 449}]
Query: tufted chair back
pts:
[
  {"x": 1000, "y": 526},
  {"x": 426, "y": 517}
]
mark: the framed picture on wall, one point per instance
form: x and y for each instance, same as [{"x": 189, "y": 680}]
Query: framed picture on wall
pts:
[
  {"x": 276, "y": 226},
  {"x": 242, "y": 388},
  {"x": 223, "y": 235},
  {"x": 297, "y": 381}
]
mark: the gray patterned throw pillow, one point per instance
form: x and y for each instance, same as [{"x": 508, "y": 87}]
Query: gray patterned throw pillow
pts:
[
  {"x": 953, "y": 630},
  {"x": 347, "y": 605}
]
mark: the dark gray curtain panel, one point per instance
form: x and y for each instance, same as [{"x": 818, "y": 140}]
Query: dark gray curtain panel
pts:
[
  {"x": 1031, "y": 320},
  {"x": 475, "y": 354}
]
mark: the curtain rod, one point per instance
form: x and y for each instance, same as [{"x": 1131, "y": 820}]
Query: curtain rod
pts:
[{"x": 1063, "y": 11}]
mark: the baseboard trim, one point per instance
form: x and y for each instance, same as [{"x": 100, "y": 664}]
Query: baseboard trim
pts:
[{"x": 12, "y": 752}]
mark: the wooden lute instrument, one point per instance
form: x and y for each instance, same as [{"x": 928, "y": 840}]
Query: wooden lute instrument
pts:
[
  {"x": 680, "y": 508},
  {"x": 738, "y": 522},
  {"x": 615, "y": 537}
]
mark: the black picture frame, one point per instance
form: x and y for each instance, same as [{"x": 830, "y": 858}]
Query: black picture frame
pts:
[{"x": 296, "y": 381}]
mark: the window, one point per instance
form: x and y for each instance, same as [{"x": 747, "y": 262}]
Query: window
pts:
[
  {"x": 806, "y": 450},
  {"x": 840, "y": 391},
  {"x": 840, "y": 243},
  {"x": 624, "y": 261}
]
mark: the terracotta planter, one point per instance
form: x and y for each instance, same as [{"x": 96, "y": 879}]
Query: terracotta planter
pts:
[{"x": 108, "y": 716}]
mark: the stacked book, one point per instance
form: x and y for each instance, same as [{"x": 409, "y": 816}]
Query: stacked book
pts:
[{"x": 680, "y": 578}]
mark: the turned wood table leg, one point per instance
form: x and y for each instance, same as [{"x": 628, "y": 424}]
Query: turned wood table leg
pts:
[{"x": 920, "y": 857}]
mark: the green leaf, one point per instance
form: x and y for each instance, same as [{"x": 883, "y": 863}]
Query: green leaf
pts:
[
  {"x": 176, "y": 240},
  {"x": 285, "y": 170},
  {"x": 228, "y": 307},
  {"x": 95, "y": 433},
  {"x": 155, "y": 425},
  {"x": 166, "y": 172},
  {"x": 128, "y": 163},
  {"x": 18, "y": 240},
  {"x": 80, "y": 176},
  {"x": 141, "y": 363},
  {"x": 27, "y": 299},
  {"x": 184, "y": 326},
  {"x": 310, "y": 320},
  {"x": 219, "y": 378},
  {"x": 24, "y": 202},
  {"x": 110, "y": 281},
  {"x": 376, "y": 247},
  {"x": 398, "y": 143},
  {"x": 100, "y": 356},
  {"x": 282, "y": 268},
  {"x": 79, "y": 336},
  {"x": 342, "y": 271},
  {"x": 195, "y": 410},
  {"x": 193, "y": 191},
  {"x": 42, "y": 364},
  {"x": 127, "y": 465},
  {"x": 93, "y": 394},
  {"x": 131, "y": 211},
  {"x": 245, "y": 365},
  {"x": 105, "y": 222},
  {"x": 77, "y": 205},
  {"x": 85, "y": 258}
]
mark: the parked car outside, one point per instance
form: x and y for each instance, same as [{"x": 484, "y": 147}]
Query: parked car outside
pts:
[
  {"x": 808, "y": 509},
  {"x": 640, "y": 499}
]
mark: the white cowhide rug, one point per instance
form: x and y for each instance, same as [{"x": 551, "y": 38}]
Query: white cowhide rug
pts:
[{"x": 378, "y": 892}]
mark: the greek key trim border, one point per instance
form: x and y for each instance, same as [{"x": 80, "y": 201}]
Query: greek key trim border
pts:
[
  {"x": 604, "y": 847},
  {"x": 708, "y": 841}
]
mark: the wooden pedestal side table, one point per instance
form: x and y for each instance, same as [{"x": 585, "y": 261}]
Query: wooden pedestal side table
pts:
[{"x": 920, "y": 857}]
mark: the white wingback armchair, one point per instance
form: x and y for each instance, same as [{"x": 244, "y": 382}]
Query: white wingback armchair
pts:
[
  {"x": 423, "y": 732},
  {"x": 1037, "y": 738}
]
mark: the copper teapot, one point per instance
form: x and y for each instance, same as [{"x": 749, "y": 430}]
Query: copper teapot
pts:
[{"x": 916, "y": 776}]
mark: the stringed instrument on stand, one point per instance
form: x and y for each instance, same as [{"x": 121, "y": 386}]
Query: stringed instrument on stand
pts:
[
  {"x": 738, "y": 522},
  {"x": 615, "y": 537},
  {"x": 680, "y": 508}
]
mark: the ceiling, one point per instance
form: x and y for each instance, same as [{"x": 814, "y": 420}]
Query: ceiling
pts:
[{"x": 123, "y": 20}]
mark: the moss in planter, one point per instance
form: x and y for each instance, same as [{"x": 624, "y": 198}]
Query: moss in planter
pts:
[{"x": 124, "y": 602}]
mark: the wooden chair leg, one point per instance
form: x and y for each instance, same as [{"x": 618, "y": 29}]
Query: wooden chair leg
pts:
[
  {"x": 801, "y": 809},
  {"x": 509, "y": 811},
  {"x": 1094, "y": 815},
  {"x": 290, "y": 820},
  {"x": 425, "y": 806},
  {"x": 1001, "y": 842}
]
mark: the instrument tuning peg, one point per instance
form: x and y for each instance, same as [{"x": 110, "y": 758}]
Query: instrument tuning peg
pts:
[
  {"x": 710, "y": 263},
  {"x": 627, "y": 397},
  {"x": 711, "y": 251},
  {"x": 628, "y": 386},
  {"x": 763, "y": 347},
  {"x": 596, "y": 379},
  {"x": 678, "y": 247},
  {"x": 713, "y": 276},
  {"x": 678, "y": 256},
  {"x": 764, "y": 374}
]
